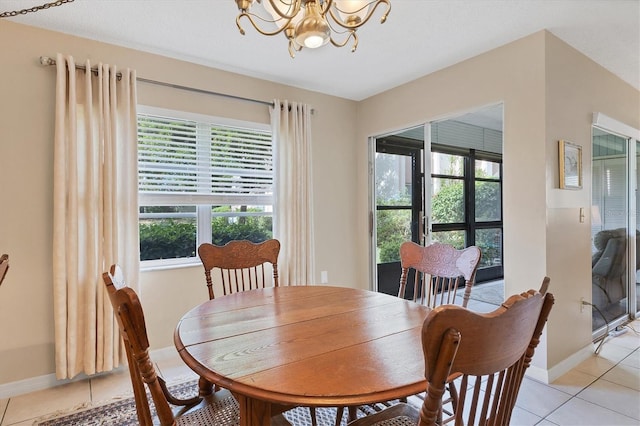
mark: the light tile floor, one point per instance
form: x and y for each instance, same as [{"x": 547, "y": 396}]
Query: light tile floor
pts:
[{"x": 602, "y": 390}]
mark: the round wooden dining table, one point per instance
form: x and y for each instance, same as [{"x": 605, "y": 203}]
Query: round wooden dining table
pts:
[{"x": 305, "y": 346}]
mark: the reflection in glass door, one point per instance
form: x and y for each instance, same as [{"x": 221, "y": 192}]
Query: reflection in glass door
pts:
[
  {"x": 613, "y": 244},
  {"x": 634, "y": 288}
]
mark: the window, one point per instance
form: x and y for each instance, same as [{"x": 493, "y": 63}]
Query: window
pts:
[{"x": 201, "y": 179}]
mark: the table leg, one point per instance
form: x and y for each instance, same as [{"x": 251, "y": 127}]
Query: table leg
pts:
[
  {"x": 206, "y": 387},
  {"x": 254, "y": 412}
]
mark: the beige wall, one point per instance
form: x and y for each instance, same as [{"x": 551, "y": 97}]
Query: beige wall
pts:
[
  {"x": 548, "y": 90},
  {"x": 26, "y": 137},
  {"x": 513, "y": 75},
  {"x": 576, "y": 87}
]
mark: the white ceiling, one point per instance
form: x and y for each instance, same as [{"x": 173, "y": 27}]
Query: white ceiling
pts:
[{"x": 419, "y": 37}]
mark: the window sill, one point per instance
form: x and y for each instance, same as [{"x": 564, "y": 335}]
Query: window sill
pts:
[{"x": 166, "y": 264}]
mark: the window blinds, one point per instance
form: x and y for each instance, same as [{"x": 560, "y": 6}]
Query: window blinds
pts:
[{"x": 188, "y": 162}]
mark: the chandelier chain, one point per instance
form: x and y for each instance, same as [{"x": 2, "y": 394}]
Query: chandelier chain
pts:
[{"x": 33, "y": 9}]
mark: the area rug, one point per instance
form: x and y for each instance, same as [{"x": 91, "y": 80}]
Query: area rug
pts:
[
  {"x": 123, "y": 412},
  {"x": 492, "y": 293}
]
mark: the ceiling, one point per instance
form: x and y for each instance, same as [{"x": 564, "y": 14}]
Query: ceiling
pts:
[{"x": 419, "y": 37}]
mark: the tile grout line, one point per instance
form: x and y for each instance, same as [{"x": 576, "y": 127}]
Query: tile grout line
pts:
[
  {"x": 600, "y": 377},
  {"x": 4, "y": 412}
]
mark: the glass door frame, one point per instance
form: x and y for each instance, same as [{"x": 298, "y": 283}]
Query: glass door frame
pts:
[
  {"x": 397, "y": 145},
  {"x": 632, "y": 137}
]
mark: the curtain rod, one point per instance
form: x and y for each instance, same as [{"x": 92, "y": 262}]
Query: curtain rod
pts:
[{"x": 45, "y": 60}]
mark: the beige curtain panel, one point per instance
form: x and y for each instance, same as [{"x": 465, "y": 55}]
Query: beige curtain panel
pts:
[
  {"x": 293, "y": 218},
  {"x": 95, "y": 216}
]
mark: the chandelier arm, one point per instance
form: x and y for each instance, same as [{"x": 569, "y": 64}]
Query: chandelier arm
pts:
[
  {"x": 250, "y": 16},
  {"x": 293, "y": 47},
  {"x": 370, "y": 13},
  {"x": 352, "y": 34},
  {"x": 340, "y": 30},
  {"x": 287, "y": 16},
  {"x": 326, "y": 6}
]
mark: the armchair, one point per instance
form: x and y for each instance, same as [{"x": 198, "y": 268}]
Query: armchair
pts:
[{"x": 609, "y": 266}]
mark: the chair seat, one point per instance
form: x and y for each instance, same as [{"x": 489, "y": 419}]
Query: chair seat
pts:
[
  {"x": 220, "y": 408},
  {"x": 397, "y": 415}
]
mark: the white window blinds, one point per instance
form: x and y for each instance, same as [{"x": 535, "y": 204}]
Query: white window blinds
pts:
[{"x": 183, "y": 160}]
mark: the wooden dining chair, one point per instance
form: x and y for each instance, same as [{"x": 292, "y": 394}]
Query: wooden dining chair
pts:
[
  {"x": 242, "y": 267},
  {"x": 214, "y": 409},
  {"x": 218, "y": 408},
  {"x": 489, "y": 352},
  {"x": 241, "y": 264},
  {"x": 130, "y": 318},
  {"x": 4, "y": 266},
  {"x": 439, "y": 270}
]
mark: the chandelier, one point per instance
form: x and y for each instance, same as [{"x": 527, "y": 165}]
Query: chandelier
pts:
[{"x": 311, "y": 23}]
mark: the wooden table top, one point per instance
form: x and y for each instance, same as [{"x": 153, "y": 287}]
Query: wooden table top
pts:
[{"x": 307, "y": 345}]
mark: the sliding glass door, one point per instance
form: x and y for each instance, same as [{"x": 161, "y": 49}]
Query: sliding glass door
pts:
[
  {"x": 438, "y": 182},
  {"x": 614, "y": 230}
]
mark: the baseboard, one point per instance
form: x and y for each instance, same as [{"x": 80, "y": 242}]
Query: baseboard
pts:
[
  {"x": 9, "y": 390},
  {"x": 47, "y": 381},
  {"x": 550, "y": 375}
]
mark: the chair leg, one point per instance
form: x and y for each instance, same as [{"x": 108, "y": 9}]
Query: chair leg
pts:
[
  {"x": 339, "y": 413},
  {"x": 453, "y": 399},
  {"x": 453, "y": 393},
  {"x": 312, "y": 413},
  {"x": 353, "y": 413}
]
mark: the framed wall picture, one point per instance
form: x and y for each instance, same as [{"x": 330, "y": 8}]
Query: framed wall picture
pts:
[{"x": 570, "y": 159}]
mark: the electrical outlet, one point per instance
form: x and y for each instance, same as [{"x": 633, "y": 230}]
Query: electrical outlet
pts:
[{"x": 324, "y": 277}]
